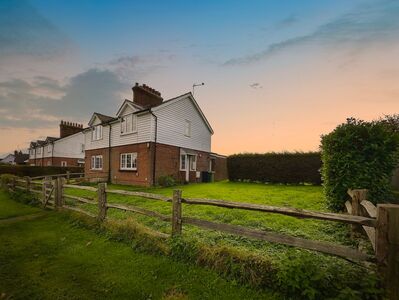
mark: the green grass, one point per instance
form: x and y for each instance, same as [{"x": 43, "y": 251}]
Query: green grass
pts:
[
  {"x": 9, "y": 208},
  {"x": 53, "y": 258},
  {"x": 304, "y": 197}
]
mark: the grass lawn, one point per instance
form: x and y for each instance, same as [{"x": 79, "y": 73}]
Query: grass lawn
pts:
[
  {"x": 9, "y": 208},
  {"x": 305, "y": 197},
  {"x": 53, "y": 258}
]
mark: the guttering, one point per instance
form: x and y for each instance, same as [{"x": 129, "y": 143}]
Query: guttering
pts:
[
  {"x": 109, "y": 152},
  {"x": 155, "y": 148}
]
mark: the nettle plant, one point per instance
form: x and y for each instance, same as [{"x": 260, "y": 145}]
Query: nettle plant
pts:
[{"x": 360, "y": 155}]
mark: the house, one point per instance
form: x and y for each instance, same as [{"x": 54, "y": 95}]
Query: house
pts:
[
  {"x": 18, "y": 158},
  {"x": 67, "y": 150},
  {"x": 149, "y": 138}
]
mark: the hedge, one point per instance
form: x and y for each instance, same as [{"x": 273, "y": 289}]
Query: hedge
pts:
[
  {"x": 33, "y": 171},
  {"x": 360, "y": 155},
  {"x": 287, "y": 168}
]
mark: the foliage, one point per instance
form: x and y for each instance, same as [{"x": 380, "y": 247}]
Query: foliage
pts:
[
  {"x": 166, "y": 181},
  {"x": 25, "y": 197},
  {"x": 291, "y": 168},
  {"x": 33, "y": 171},
  {"x": 359, "y": 154},
  {"x": 6, "y": 179}
]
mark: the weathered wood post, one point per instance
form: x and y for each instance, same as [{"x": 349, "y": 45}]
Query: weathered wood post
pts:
[
  {"x": 68, "y": 175},
  {"x": 58, "y": 192},
  {"x": 27, "y": 179},
  {"x": 358, "y": 195},
  {"x": 46, "y": 180},
  {"x": 387, "y": 247},
  {"x": 176, "y": 213},
  {"x": 13, "y": 183},
  {"x": 102, "y": 201}
]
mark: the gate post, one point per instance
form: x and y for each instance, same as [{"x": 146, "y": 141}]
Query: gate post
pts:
[
  {"x": 102, "y": 202},
  {"x": 176, "y": 213},
  {"x": 387, "y": 247},
  {"x": 357, "y": 195},
  {"x": 27, "y": 178}
]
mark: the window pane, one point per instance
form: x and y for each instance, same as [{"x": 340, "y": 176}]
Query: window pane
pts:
[{"x": 128, "y": 161}]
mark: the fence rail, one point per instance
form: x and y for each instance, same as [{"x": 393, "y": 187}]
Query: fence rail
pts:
[{"x": 380, "y": 223}]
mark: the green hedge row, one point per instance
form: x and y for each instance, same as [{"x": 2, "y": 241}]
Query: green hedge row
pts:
[
  {"x": 293, "y": 168},
  {"x": 34, "y": 171}
]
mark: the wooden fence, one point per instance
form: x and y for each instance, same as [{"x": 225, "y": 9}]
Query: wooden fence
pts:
[{"x": 380, "y": 222}]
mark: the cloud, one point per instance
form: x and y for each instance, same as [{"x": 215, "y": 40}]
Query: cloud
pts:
[
  {"x": 288, "y": 21},
  {"x": 377, "y": 22},
  {"x": 256, "y": 85},
  {"x": 24, "y": 31},
  {"x": 36, "y": 104}
]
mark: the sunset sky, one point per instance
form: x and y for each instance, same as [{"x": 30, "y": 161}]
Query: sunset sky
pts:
[{"x": 277, "y": 74}]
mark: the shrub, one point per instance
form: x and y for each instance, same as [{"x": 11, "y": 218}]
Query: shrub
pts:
[
  {"x": 25, "y": 197},
  {"x": 166, "y": 181},
  {"x": 6, "y": 179},
  {"x": 359, "y": 154},
  {"x": 292, "y": 168},
  {"x": 32, "y": 171}
]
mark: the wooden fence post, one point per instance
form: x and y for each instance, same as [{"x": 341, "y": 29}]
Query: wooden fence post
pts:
[
  {"x": 46, "y": 180},
  {"x": 58, "y": 195},
  {"x": 358, "y": 196},
  {"x": 13, "y": 183},
  {"x": 176, "y": 213},
  {"x": 387, "y": 247},
  {"x": 27, "y": 178},
  {"x": 68, "y": 175},
  {"x": 102, "y": 201}
]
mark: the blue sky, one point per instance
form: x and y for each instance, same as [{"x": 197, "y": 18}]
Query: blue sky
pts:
[{"x": 277, "y": 74}]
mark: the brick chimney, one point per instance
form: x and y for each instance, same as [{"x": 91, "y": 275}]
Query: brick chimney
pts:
[
  {"x": 146, "y": 96},
  {"x": 69, "y": 128}
]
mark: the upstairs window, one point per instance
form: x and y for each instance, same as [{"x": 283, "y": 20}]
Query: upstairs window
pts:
[
  {"x": 129, "y": 124},
  {"x": 128, "y": 161},
  {"x": 48, "y": 148},
  {"x": 82, "y": 148},
  {"x": 39, "y": 150},
  {"x": 97, "y": 133},
  {"x": 187, "y": 128}
]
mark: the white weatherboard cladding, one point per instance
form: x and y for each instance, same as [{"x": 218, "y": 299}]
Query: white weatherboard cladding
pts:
[
  {"x": 171, "y": 124},
  {"x": 142, "y": 135},
  {"x": 46, "y": 153},
  {"x": 70, "y": 146},
  {"x": 102, "y": 143}
]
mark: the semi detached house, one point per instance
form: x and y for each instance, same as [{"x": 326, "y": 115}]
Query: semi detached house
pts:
[{"x": 150, "y": 138}]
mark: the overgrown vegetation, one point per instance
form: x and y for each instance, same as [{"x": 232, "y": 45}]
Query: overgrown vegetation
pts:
[
  {"x": 246, "y": 261},
  {"x": 360, "y": 154},
  {"x": 288, "y": 168},
  {"x": 33, "y": 171},
  {"x": 166, "y": 181}
]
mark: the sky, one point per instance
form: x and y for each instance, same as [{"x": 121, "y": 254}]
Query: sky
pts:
[{"x": 277, "y": 74}]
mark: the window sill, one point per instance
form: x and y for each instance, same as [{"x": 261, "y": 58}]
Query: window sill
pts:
[
  {"x": 127, "y": 170},
  {"x": 128, "y": 133},
  {"x": 96, "y": 169}
]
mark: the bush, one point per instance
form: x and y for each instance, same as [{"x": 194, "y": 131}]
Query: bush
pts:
[
  {"x": 34, "y": 171},
  {"x": 6, "y": 179},
  {"x": 359, "y": 155},
  {"x": 293, "y": 168},
  {"x": 166, "y": 181}
]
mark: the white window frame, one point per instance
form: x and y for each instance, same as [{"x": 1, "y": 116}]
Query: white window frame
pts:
[
  {"x": 49, "y": 163},
  {"x": 193, "y": 163},
  {"x": 187, "y": 128},
  {"x": 39, "y": 150},
  {"x": 181, "y": 162},
  {"x": 49, "y": 148},
  {"x": 124, "y": 158},
  {"x": 96, "y": 162},
  {"x": 82, "y": 147},
  {"x": 128, "y": 124},
  {"x": 97, "y": 133},
  {"x": 64, "y": 163}
]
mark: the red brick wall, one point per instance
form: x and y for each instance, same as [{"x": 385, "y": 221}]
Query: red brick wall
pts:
[
  {"x": 96, "y": 174},
  {"x": 142, "y": 176},
  {"x": 56, "y": 161}
]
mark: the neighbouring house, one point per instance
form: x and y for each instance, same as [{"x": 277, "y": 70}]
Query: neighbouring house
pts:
[
  {"x": 149, "y": 138},
  {"x": 18, "y": 158},
  {"x": 65, "y": 151}
]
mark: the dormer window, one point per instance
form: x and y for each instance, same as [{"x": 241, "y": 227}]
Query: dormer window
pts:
[
  {"x": 97, "y": 133},
  {"x": 128, "y": 124}
]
